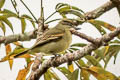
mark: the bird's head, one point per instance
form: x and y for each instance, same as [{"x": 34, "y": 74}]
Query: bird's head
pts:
[{"x": 72, "y": 23}]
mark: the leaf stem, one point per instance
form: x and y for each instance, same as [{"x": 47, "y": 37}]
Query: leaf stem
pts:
[
  {"x": 14, "y": 5},
  {"x": 29, "y": 11},
  {"x": 50, "y": 15}
]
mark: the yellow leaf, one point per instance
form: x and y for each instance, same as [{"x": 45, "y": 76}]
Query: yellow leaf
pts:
[
  {"x": 106, "y": 50},
  {"x": 25, "y": 56},
  {"x": 100, "y": 73},
  {"x": 110, "y": 27},
  {"x": 23, "y": 73},
  {"x": 70, "y": 67},
  {"x": 8, "y": 50},
  {"x": 84, "y": 74},
  {"x": 17, "y": 43}
]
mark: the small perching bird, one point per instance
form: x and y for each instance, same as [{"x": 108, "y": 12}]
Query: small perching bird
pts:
[{"x": 53, "y": 41}]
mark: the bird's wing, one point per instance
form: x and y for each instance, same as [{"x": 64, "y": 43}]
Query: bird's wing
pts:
[{"x": 50, "y": 35}]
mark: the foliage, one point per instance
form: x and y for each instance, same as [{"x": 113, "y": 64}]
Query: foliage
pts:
[{"x": 93, "y": 65}]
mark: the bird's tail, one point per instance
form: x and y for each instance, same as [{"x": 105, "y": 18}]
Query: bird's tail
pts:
[{"x": 22, "y": 53}]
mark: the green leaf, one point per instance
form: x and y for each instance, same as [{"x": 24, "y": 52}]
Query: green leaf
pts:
[
  {"x": 47, "y": 76},
  {"x": 112, "y": 51},
  {"x": 7, "y": 13},
  {"x": 23, "y": 24},
  {"x": 98, "y": 27},
  {"x": 2, "y": 3},
  {"x": 2, "y": 26},
  {"x": 61, "y": 5},
  {"x": 93, "y": 61},
  {"x": 78, "y": 45},
  {"x": 53, "y": 74},
  {"x": 28, "y": 60},
  {"x": 100, "y": 52},
  {"x": 7, "y": 22},
  {"x": 64, "y": 9},
  {"x": 82, "y": 63},
  {"x": 74, "y": 75},
  {"x": 74, "y": 49},
  {"x": 115, "y": 41},
  {"x": 65, "y": 71},
  {"x": 29, "y": 18}
]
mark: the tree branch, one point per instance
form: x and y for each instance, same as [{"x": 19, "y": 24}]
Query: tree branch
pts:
[
  {"x": 18, "y": 37},
  {"x": 117, "y": 5},
  {"x": 73, "y": 56},
  {"x": 84, "y": 36},
  {"x": 99, "y": 11}
]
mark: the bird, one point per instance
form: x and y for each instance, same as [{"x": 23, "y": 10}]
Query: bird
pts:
[{"x": 53, "y": 41}]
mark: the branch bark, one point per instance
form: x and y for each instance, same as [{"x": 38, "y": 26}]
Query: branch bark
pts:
[
  {"x": 73, "y": 56},
  {"x": 18, "y": 37},
  {"x": 99, "y": 11},
  {"x": 116, "y": 4}
]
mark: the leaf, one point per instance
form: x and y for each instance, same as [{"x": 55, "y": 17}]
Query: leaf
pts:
[
  {"x": 64, "y": 9},
  {"x": 23, "y": 73},
  {"x": 60, "y": 5},
  {"x": 65, "y": 71},
  {"x": 17, "y": 43},
  {"x": 70, "y": 66},
  {"x": 7, "y": 13},
  {"x": 84, "y": 75},
  {"x": 103, "y": 24},
  {"x": 74, "y": 49},
  {"x": 8, "y": 50},
  {"x": 23, "y": 25},
  {"x": 53, "y": 74},
  {"x": 2, "y": 3},
  {"x": 100, "y": 73},
  {"x": 78, "y": 45},
  {"x": 106, "y": 50},
  {"x": 17, "y": 50},
  {"x": 2, "y": 26},
  {"x": 47, "y": 76},
  {"x": 28, "y": 18},
  {"x": 93, "y": 61},
  {"x": 74, "y": 75},
  {"x": 7, "y": 22},
  {"x": 82, "y": 63},
  {"x": 98, "y": 27},
  {"x": 100, "y": 52},
  {"x": 112, "y": 51},
  {"x": 115, "y": 41}
]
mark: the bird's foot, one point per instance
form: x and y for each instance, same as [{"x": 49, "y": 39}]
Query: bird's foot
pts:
[{"x": 55, "y": 56}]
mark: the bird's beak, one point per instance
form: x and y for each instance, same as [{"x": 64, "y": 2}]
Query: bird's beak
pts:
[{"x": 77, "y": 28}]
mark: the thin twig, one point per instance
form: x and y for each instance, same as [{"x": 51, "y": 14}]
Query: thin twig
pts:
[
  {"x": 29, "y": 11},
  {"x": 50, "y": 16},
  {"x": 14, "y": 5},
  {"x": 53, "y": 20},
  {"x": 84, "y": 36}
]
